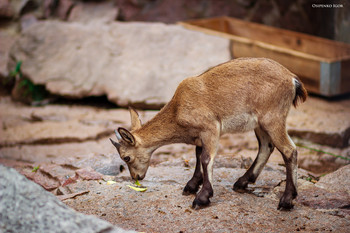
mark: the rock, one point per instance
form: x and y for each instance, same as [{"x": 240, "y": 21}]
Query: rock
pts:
[
  {"x": 42, "y": 178},
  {"x": 169, "y": 11},
  {"x": 84, "y": 147},
  {"x": 26, "y": 207},
  {"x": 88, "y": 174},
  {"x": 7, "y": 38},
  {"x": 6, "y": 10},
  {"x": 110, "y": 167},
  {"x": 337, "y": 181},
  {"x": 27, "y": 20},
  {"x": 325, "y": 200},
  {"x": 104, "y": 12},
  {"x": 64, "y": 8},
  {"x": 312, "y": 120},
  {"x": 15, "y": 8},
  {"x": 47, "y": 125},
  {"x": 163, "y": 208},
  {"x": 56, "y": 132},
  {"x": 48, "y": 175},
  {"x": 132, "y": 63}
]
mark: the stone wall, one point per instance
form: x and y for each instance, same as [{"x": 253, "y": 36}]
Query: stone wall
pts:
[{"x": 329, "y": 19}]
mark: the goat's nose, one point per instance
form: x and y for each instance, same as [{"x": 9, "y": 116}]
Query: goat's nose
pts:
[{"x": 138, "y": 177}]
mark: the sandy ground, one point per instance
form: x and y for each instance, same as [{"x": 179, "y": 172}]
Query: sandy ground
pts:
[{"x": 69, "y": 148}]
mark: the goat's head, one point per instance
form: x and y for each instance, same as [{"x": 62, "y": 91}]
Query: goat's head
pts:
[{"x": 131, "y": 150}]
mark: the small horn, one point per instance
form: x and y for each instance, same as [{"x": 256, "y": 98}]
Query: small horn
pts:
[
  {"x": 117, "y": 135},
  {"x": 116, "y": 144}
]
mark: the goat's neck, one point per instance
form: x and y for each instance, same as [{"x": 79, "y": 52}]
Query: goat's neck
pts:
[{"x": 160, "y": 130}]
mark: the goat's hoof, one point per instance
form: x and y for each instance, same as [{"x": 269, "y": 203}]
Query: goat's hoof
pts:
[
  {"x": 241, "y": 185},
  {"x": 198, "y": 204},
  {"x": 240, "y": 188},
  {"x": 189, "y": 191},
  {"x": 284, "y": 205},
  {"x": 286, "y": 201}
]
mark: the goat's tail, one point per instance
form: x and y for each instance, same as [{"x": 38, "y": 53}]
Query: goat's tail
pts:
[{"x": 300, "y": 92}]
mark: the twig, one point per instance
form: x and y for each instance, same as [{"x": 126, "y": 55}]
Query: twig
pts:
[{"x": 72, "y": 195}]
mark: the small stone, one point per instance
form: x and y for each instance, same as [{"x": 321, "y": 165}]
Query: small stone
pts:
[{"x": 88, "y": 174}]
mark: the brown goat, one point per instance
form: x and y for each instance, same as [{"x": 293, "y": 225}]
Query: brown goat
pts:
[{"x": 236, "y": 96}]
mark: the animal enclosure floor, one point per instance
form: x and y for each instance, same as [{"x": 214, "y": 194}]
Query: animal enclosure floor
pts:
[{"x": 53, "y": 143}]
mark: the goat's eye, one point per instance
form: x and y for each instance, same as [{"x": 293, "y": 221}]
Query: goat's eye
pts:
[{"x": 126, "y": 158}]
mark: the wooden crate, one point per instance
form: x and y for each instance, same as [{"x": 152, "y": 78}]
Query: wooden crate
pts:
[{"x": 323, "y": 65}]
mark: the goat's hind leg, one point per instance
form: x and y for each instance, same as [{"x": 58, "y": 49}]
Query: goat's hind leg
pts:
[
  {"x": 265, "y": 149},
  {"x": 289, "y": 153},
  {"x": 193, "y": 184}
]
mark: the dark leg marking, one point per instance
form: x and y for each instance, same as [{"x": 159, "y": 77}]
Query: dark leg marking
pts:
[
  {"x": 193, "y": 184},
  {"x": 202, "y": 198},
  {"x": 290, "y": 192},
  {"x": 265, "y": 149},
  {"x": 286, "y": 147}
]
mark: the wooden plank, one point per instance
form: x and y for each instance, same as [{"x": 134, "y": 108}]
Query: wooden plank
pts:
[
  {"x": 327, "y": 50},
  {"x": 251, "y": 42},
  {"x": 308, "y": 70},
  {"x": 323, "y": 65},
  {"x": 300, "y": 64},
  {"x": 213, "y": 32}
]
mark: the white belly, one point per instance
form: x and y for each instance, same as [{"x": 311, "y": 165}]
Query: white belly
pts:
[{"x": 239, "y": 123}]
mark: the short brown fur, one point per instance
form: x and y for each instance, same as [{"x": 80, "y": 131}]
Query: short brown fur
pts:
[{"x": 236, "y": 96}]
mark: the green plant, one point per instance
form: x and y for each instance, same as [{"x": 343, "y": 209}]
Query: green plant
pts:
[
  {"x": 35, "y": 169},
  {"x": 31, "y": 90},
  {"x": 17, "y": 70},
  {"x": 323, "y": 152},
  {"x": 36, "y": 92}
]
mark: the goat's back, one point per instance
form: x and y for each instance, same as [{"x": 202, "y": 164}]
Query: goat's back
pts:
[{"x": 240, "y": 85}]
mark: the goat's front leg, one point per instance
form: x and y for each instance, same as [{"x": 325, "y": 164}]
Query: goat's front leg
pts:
[
  {"x": 193, "y": 184},
  {"x": 207, "y": 159}
]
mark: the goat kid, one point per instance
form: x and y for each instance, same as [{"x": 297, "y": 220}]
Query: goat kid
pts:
[{"x": 240, "y": 95}]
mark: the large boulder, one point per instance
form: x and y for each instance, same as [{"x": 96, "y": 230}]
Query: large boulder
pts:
[
  {"x": 322, "y": 121},
  {"x": 26, "y": 207},
  {"x": 132, "y": 63},
  {"x": 337, "y": 181}
]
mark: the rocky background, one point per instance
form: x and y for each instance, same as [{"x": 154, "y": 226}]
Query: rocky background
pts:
[{"x": 69, "y": 69}]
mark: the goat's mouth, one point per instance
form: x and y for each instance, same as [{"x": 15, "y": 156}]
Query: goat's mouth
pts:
[{"x": 138, "y": 177}]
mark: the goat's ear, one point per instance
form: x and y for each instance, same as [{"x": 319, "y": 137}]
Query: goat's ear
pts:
[
  {"x": 117, "y": 135},
  {"x": 127, "y": 136},
  {"x": 135, "y": 120},
  {"x": 116, "y": 144}
]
